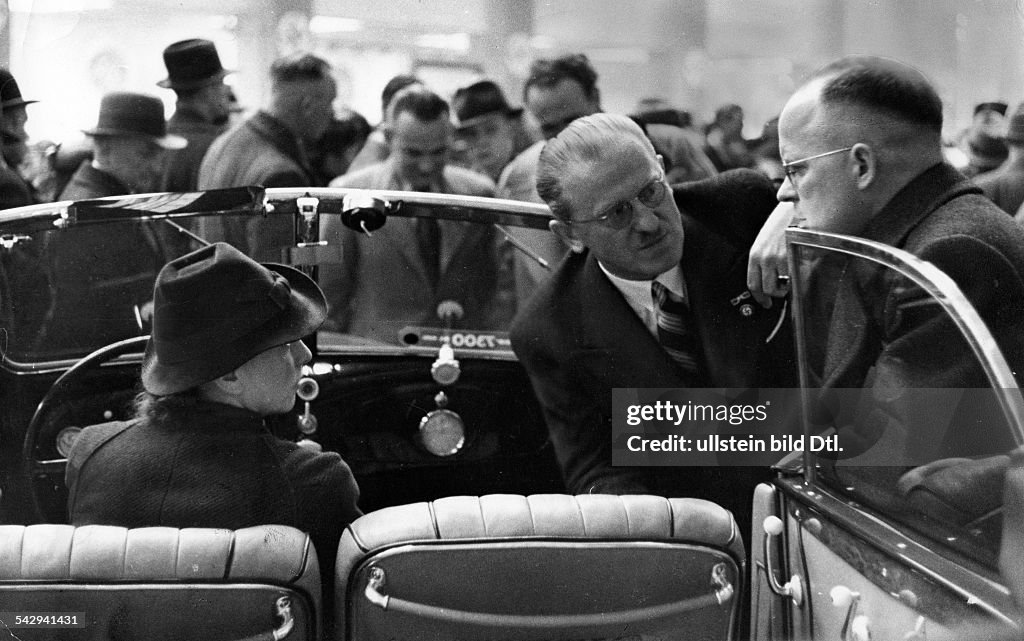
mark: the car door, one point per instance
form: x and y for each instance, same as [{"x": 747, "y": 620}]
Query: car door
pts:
[{"x": 897, "y": 536}]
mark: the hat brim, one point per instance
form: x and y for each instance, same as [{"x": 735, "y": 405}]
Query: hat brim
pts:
[
  {"x": 511, "y": 112},
  {"x": 168, "y": 83},
  {"x": 168, "y": 141},
  {"x": 306, "y": 311},
  {"x": 17, "y": 102}
]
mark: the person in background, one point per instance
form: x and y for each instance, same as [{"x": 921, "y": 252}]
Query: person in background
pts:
[
  {"x": 270, "y": 149},
  {"x": 202, "y": 111},
  {"x": 15, "y": 191},
  {"x": 491, "y": 130},
  {"x": 376, "y": 148},
  {"x": 334, "y": 151},
  {"x": 400, "y": 274},
  {"x": 979, "y": 147},
  {"x": 724, "y": 142},
  {"x": 1005, "y": 184}
]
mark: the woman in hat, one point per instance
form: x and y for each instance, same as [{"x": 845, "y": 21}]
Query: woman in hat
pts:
[{"x": 225, "y": 352}]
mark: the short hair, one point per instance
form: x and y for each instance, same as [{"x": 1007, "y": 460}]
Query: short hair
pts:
[
  {"x": 586, "y": 140},
  {"x": 548, "y": 72},
  {"x": 884, "y": 85},
  {"x": 420, "y": 102},
  {"x": 345, "y": 130},
  {"x": 299, "y": 67},
  {"x": 396, "y": 84}
]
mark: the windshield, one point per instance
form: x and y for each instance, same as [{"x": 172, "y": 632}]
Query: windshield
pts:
[{"x": 76, "y": 278}]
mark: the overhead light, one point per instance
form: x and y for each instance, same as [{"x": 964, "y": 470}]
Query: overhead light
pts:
[
  {"x": 452, "y": 41},
  {"x": 334, "y": 24},
  {"x": 58, "y": 6}
]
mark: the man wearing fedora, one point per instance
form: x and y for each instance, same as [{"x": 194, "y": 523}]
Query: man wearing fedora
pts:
[
  {"x": 225, "y": 352},
  {"x": 129, "y": 142},
  {"x": 15, "y": 191},
  {"x": 492, "y": 131},
  {"x": 1005, "y": 184},
  {"x": 202, "y": 111},
  {"x": 104, "y": 278}
]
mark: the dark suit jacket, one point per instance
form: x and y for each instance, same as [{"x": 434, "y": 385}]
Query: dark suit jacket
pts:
[
  {"x": 578, "y": 339},
  {"x": 14, "y": 191},
  {"x": 260, "y": 151},
  {"x": 882, "y": 337},
  {"x": 382, "y": 284},
  {"x": 182, "y": 171},
  {"x": 219, "y": 468}
]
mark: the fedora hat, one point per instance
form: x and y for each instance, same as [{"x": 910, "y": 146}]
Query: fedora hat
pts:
[
  {"x": 134, "y": 114},
  {"x": 191, "y": 64},
  {"x": 10, "y": 92},
  {"x": 215, "y": 309},
  {"x": 480, "y": 99}
]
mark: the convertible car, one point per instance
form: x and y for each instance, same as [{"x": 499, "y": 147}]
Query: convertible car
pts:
[{"x": 468, "y": 531}]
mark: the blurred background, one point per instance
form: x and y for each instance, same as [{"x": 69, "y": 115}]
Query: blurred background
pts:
[{"x": 694, "y": 55}]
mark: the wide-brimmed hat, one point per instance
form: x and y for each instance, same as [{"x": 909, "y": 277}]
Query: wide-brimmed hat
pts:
[
  {"x": 191, "y": 63},
  {"x": 215, "y": 309},
  {"x": 134, "y": 114},
  {"x": 480, "y": 99},
  {"x": 10, "y": 92},
  {"x": 1015, "y": 128}
]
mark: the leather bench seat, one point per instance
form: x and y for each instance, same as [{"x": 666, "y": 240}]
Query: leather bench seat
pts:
[
  {"x": 161, "y": 582},
  {"x": 540, "y": 567}
]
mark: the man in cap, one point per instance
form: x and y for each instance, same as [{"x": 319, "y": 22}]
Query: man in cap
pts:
[
  {"x": 271, "y": 148},
  {"x": 490, "y": 128},
  {"x": 14, "y": 190},
  {"x": 101, "y": 274},
  {"x": 1005, "y": 185},
  {"x": 225, "y": 353},
  {"x": 129, "y": 144},
  {"x": 195, "y": 74},
  {"x": 649, "y": 297}
]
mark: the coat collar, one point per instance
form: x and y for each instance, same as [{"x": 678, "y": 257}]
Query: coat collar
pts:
[
  {"x": 924, "y": 194},
  {"x": 278, "y": 135},
  {"x": 96, "y": 182}
]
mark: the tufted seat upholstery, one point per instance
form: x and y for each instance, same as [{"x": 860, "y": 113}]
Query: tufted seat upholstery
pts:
[
  {"x": 161, "y": 582},
  {"x": 543, "y": 566}
]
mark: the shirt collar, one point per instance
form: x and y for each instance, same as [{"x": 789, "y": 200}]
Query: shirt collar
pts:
[{"x": 638, "y": 292}]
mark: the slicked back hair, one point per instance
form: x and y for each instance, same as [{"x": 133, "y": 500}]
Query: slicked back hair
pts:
[
  {"x": 585, "y": 141},
  {"x": 420, "y": 102},
  {"x": 548, "y": 72},
  {"x": 884, "y": 85}
]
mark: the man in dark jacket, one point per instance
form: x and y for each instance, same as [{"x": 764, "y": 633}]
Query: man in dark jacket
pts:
[
  {"x": 203, "y": 107},
  {"x": 270, "y": 149},
  {"x": 225, "y": 352},
  {"x": 595, "y": 324}
]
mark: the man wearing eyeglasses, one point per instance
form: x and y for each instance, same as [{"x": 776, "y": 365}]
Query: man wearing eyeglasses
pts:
[{"x": 648, "y": 297}]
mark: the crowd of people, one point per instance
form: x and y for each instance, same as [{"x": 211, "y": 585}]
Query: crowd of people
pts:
[{"x": 651, "y": 217}]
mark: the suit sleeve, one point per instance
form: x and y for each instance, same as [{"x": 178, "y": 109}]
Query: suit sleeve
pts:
[{"x": 580, "y": 431}]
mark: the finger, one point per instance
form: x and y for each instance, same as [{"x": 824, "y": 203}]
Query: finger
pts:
[{"x": 755, "y": 284}]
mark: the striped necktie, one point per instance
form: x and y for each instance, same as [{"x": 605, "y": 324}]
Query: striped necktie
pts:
[{"x": 674, "y": 329}]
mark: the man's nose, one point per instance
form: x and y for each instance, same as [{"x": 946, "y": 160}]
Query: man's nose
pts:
[
  {"x": 786, "y": 193},
  {"x": 303, "y": 355},
  {"x": 645, "y": 218}
]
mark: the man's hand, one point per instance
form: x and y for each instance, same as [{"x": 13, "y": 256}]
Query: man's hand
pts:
[{"x": 767, "y": 268}]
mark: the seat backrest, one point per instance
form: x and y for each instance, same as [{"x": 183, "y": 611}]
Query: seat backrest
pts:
[
  {"x": 160, "y": 582},
  {"x": 540, "y": 567}
]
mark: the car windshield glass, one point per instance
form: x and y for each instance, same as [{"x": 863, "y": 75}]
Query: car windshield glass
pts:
[
  {"x": 442, "y": 271},
  {"x": 900, "y": 371}
]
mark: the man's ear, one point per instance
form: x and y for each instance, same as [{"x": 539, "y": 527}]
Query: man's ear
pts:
[
  {"x": 564, "y": 231},
  {"x": 865, "y": 165}
]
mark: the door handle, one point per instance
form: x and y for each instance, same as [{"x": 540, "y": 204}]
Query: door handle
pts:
[{"x": 792, "y": 589}]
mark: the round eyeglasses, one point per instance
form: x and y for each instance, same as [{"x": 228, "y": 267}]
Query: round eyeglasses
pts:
[{"x": 620, "y": 215}]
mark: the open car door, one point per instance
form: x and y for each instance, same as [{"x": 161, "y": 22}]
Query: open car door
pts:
[{"x": 892, "y": 528}]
